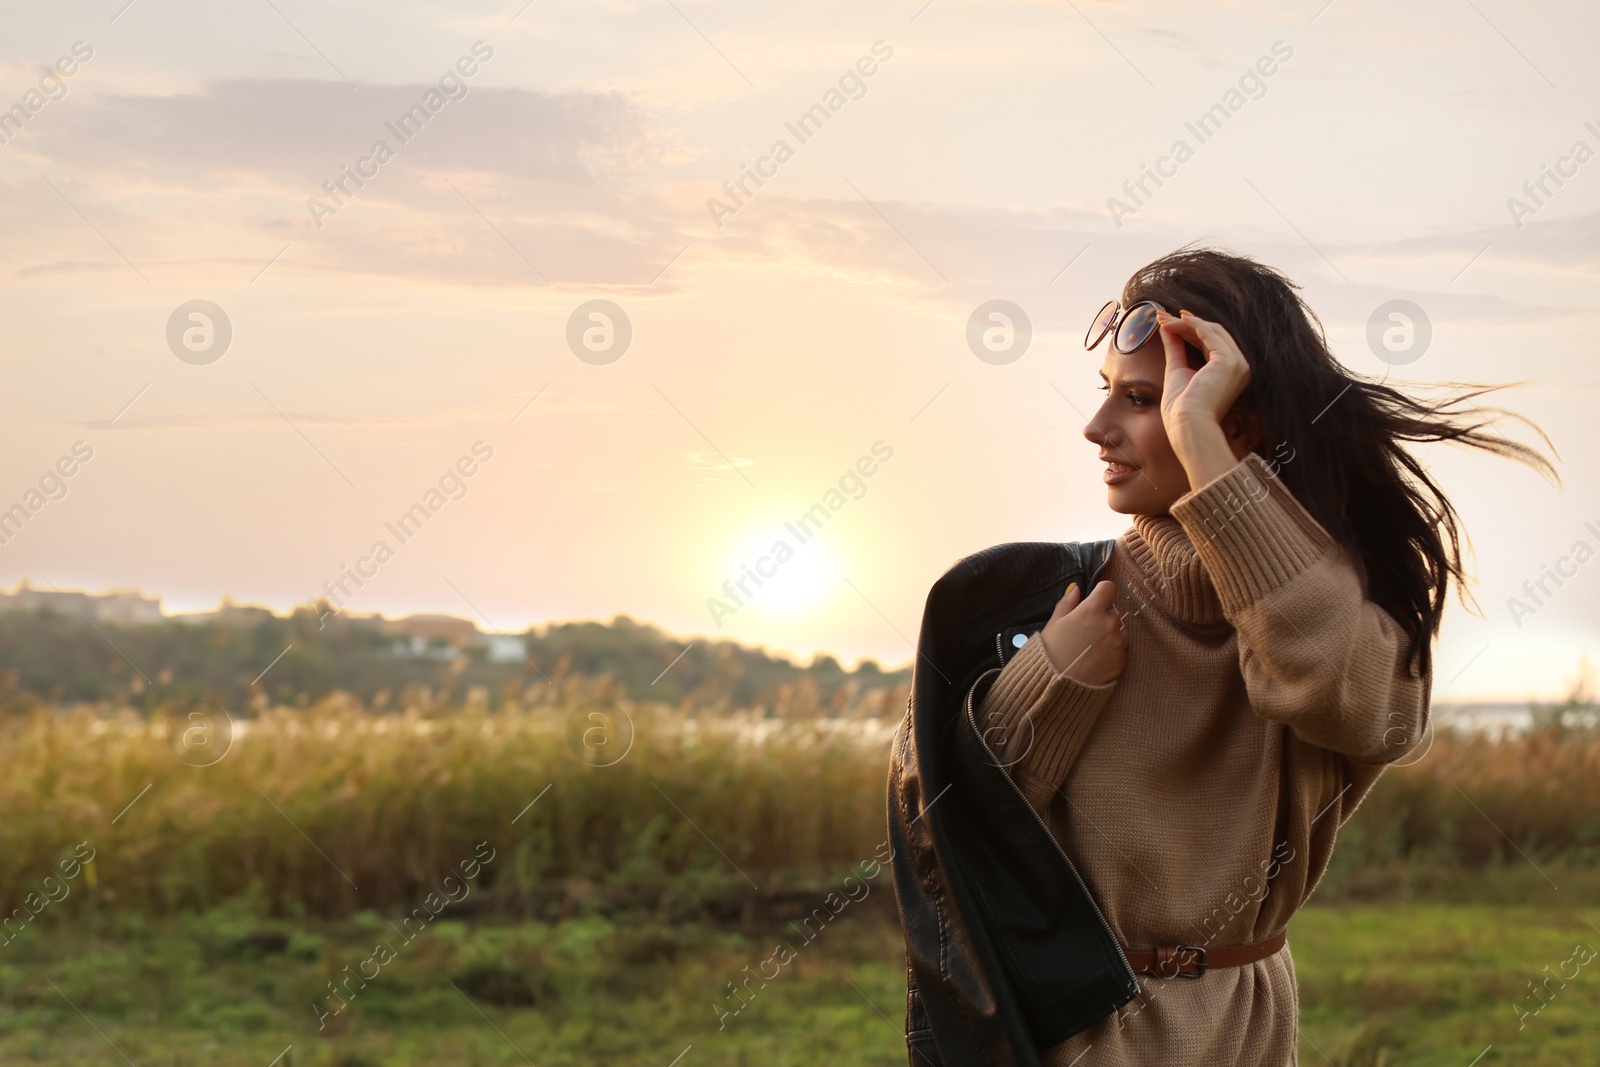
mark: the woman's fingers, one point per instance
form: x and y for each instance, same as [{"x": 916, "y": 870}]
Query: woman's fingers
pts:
[
  {"x": 1083, "y": 635},
  {"x": 1068, "y": 601},
  {"x": 1099, "y": 599},
  {"x": 1210, "y": 391},
  {"x": 1173, "y": 334},
  {"x": 1102, "y": 596},
  {"x": 1214, "y": 340}
]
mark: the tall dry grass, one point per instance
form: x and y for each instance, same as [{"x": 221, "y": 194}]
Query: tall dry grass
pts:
[
  {"x": 336, "y": 807},
  {"x": 1478, "y": 800}
]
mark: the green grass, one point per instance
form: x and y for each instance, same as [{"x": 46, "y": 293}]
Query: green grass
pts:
[
  {"x": 215, "y": 989},
  {"x": 1435, "y": 984},
  {"x": 223, "y": 897},
  {"x": 1420, "y": 984}
]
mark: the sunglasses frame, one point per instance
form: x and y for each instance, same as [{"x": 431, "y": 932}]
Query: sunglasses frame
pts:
[{"x": 1119, "y": 318}]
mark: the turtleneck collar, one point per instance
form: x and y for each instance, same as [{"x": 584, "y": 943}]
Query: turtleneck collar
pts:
[{"x": 1172, "y": 577}]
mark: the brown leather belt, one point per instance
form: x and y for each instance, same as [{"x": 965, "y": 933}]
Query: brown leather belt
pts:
[{"x": 1191, "y": 961}]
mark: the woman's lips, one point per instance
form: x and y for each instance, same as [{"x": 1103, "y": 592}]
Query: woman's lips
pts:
[{"x": 1117, "y": 473}]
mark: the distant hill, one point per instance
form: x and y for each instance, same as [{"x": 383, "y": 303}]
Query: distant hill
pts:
[{"x": 62, "y": 656}]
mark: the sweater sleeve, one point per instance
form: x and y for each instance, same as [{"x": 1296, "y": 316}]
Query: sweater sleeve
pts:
[
  {"x": 1036, "y": 719},
  {"x": 1316, "y": 654}
]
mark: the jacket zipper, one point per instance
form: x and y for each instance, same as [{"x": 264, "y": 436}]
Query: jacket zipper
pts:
[{"x": 1115, "y": 941}]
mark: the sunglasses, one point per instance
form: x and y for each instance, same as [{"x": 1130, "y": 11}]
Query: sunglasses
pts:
[{"x": 1131, "y": 328}]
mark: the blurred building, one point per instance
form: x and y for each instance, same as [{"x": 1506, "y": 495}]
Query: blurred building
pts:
[
  {"x": 445, "y": 628},
  {"x": 119, "y": 606},
  {"x": 228, "y": 614}
]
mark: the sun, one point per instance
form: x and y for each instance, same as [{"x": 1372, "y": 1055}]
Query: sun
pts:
[{"x": 774, "y": 574}]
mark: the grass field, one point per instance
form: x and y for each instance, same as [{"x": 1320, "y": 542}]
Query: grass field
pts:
[
  {"x": 1434, "y": 985},
  {"x": 334, "y": 808},
  {"x": 1423, "y": 984},
  {"x": 177, "y": 899}
]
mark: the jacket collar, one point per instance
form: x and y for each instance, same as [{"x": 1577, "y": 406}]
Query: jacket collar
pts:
[{"x": 1171, "y": 574}]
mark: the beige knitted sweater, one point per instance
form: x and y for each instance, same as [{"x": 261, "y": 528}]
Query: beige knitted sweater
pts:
[{"x": 1255, "y": 665}]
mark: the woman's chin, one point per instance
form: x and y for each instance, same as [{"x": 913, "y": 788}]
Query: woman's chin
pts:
[
  {"x": 1119, "y": 502},
  {"x": 1126, "y": 499},
  {"x": 1124, "y": 496}
]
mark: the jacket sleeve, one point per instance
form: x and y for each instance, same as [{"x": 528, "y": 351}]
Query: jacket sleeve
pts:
[
  {"x": 1036, "y": 720},
  {"x": 1316, "y": 654}
]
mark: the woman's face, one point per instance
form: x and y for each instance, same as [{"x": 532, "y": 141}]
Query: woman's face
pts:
[{"x": 1143, "y": 475}]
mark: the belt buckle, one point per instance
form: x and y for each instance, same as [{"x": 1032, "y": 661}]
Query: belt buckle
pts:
[{"x": 1200, "y": 960}]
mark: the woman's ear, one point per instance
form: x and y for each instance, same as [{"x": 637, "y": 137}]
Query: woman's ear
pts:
[{"x": 1243, "y": 430}]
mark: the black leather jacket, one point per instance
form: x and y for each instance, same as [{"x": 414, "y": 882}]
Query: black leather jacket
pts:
[{"x": 1007, "y": 952}]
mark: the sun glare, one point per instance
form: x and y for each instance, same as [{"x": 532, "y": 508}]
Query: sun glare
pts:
[{"x": 774, "y": 574}]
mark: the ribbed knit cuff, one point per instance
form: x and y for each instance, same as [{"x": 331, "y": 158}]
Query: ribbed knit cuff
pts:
[
  {"x": 1250, "y": 532},
  {"x": 1037, "y": 719}
]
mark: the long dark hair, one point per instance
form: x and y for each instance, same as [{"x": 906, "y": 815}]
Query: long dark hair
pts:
[{"x": 1347, "y": 433}]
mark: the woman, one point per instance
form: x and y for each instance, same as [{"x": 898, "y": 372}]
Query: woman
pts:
[{"x": 1196, "y": 729}]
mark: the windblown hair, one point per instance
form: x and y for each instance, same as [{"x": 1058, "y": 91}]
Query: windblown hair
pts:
[{"x": 1348, "y": 432}]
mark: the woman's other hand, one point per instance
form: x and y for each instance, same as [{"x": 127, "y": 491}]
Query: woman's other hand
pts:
[{"x": 1086, "y": 639}]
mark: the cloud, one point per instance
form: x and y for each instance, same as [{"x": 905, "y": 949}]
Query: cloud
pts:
[
  {"x": 302, "y": 131},
  {"x": 574, "y": 189},
  {"x": 221, "y": 179},
  {"x": 440, "y": 416},
  {"x": 705, "y": 461}
]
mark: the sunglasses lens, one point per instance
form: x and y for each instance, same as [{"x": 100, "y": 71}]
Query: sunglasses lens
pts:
[
  {"x": 1136, "y": 327},
  {"x": 1102, "y": 323}
]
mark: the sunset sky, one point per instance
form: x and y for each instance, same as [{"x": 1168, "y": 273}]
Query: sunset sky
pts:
[{"x": 568, "y": 153}]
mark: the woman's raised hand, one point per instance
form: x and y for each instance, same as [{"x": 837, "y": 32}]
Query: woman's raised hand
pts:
[
  {"x": 1194, "y": 402},
  {"x": 1087, "y": 640},
  {"x": 1203, "y": 396}
]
